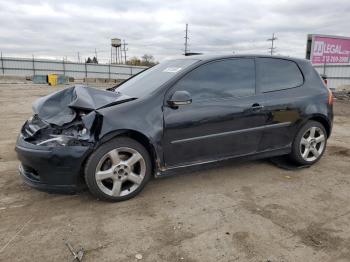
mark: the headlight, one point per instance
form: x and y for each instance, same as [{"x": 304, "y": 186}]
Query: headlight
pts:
[
  {"x": 59, "y": 139},
  {"x": 40, "y": 133}
]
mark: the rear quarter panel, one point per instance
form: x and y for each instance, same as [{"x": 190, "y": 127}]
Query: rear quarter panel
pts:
[{"x": 295, "y": 106}]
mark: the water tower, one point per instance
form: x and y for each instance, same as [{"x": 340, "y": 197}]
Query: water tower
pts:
[{"x": 116, "y": 45}]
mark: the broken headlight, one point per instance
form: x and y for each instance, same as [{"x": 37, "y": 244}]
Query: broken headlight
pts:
[
  {"x": 78, "y": 137},
  {"x": 41, "y": 133},
  {"x": 56, "y": 140}
]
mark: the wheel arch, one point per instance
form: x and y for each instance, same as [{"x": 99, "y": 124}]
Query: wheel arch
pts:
[
  {"x": 323, "y": 120},
  {"x": 139, "y": 137}
]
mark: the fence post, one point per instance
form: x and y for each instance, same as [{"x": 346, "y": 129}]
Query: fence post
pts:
[
  {"x": 33, "y": 66},
  {"x": 2, "y": 65},
  {"x": 64, "y": 67},
  {"x": 85, "y": 71},
  {"x": 109, "y": 71},
  {"x": 130, "y": 70}
]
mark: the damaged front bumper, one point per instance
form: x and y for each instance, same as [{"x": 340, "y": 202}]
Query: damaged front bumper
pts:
[
  {"x": 54, "y": 169},
  {"x": 63, "y": 131}
]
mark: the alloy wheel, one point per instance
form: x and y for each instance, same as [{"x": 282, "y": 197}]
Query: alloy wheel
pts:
[
  {"x": 312, "y": 144},
  {"x": 120, "y": 171}
]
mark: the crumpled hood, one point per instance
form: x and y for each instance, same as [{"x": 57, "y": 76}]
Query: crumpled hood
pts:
[{"x": 60, "y": 107}]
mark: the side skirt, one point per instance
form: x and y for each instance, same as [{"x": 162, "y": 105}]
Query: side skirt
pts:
[{"x": 217, "y": 162}]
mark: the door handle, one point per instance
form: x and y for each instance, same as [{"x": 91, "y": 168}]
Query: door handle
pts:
[{"x": 256, "y": 107}]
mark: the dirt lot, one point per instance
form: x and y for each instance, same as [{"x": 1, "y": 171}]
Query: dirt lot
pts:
[{"x": 250, "y": 211}]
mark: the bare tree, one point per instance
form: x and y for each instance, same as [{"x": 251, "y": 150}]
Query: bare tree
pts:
[
  {"x": 147, "y": 60},
  {"x": 134, "y": 61}
]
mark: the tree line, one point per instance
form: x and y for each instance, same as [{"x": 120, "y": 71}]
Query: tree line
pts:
[{"x": 145, "y": 60}]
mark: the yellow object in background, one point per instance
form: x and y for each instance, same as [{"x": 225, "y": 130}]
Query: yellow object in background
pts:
[{"x": 52, "y": 79}]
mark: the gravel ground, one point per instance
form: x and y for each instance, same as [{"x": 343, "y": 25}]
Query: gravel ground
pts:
[{"x": 250, "y": 211}]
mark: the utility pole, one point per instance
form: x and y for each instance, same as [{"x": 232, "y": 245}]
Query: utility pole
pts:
[
  {"x": 186, "y": 40},
  {"x": 78, "y": 57},
  {"x": 124, "y": 50},
  {"x": 272, "y": 48},
  {"x": 96, "y": 54}
]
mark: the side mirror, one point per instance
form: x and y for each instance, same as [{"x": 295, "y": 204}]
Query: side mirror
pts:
[{"x": 180, "y": 98}]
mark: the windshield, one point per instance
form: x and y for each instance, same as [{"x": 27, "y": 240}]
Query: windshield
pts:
[{"x": 149, "y": 80}]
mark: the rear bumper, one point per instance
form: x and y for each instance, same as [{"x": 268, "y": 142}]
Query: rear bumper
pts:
[
  {"x": 330, "y": 119},
  {"x": 54, "y": 169}
]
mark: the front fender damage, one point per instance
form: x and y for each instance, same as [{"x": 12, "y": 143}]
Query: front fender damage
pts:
[
  {"x": 70, "y": 117},
  {"x": 93, "y": 122},
  {"x": 82, "y": 131}
]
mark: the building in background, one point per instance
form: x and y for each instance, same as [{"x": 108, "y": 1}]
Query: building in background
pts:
[{"x": 330, "y": 56}]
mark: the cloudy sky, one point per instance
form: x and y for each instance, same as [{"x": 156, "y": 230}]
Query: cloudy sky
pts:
[{"x": 56, "y": 29}]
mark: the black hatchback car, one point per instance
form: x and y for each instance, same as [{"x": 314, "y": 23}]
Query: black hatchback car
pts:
[{"x": 178, "y": 114}]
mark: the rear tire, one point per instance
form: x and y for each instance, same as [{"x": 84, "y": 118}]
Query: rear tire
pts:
[
  {"x": 309, "y": 143},
  {"x": 118, "y": 169}
]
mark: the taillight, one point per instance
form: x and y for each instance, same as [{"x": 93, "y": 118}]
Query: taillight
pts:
[
  {"x": 330, "y": 94},
  {"x": 330, "y": 97}
]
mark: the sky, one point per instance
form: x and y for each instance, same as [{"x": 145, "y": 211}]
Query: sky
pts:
[{"x": 56, "y": 29}]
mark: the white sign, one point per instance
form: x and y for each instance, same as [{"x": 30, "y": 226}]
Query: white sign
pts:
[{"x": 172, "y": 69}]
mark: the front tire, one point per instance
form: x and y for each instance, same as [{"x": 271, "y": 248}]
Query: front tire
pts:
[
  {"x": 118, "y": 170},
  {"x": 309, "y": 143}
]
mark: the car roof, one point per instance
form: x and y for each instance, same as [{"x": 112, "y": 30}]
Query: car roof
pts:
[{"x": 215, "y": 57}]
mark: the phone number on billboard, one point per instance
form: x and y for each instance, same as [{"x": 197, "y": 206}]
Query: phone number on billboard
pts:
[{"x": 335, "y": 59}]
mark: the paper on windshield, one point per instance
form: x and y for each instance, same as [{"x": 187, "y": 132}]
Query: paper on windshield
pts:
[{"x": 172, "y": 69}]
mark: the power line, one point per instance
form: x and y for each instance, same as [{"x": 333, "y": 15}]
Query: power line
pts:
[{"x": 272, "y": 48}]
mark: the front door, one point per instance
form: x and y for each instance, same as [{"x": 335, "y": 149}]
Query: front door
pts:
[{"x": 224, "y": 119}]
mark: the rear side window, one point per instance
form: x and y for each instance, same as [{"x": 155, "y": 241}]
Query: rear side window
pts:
[
  {"x": 220, "y": 79},
  {"x": 277, "y": 74}
]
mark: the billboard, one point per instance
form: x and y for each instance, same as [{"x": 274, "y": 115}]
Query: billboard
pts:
[{"x": 328, "y": 49}]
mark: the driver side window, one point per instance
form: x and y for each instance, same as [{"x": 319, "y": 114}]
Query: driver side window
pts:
[{"x": 220, "y": 79}]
